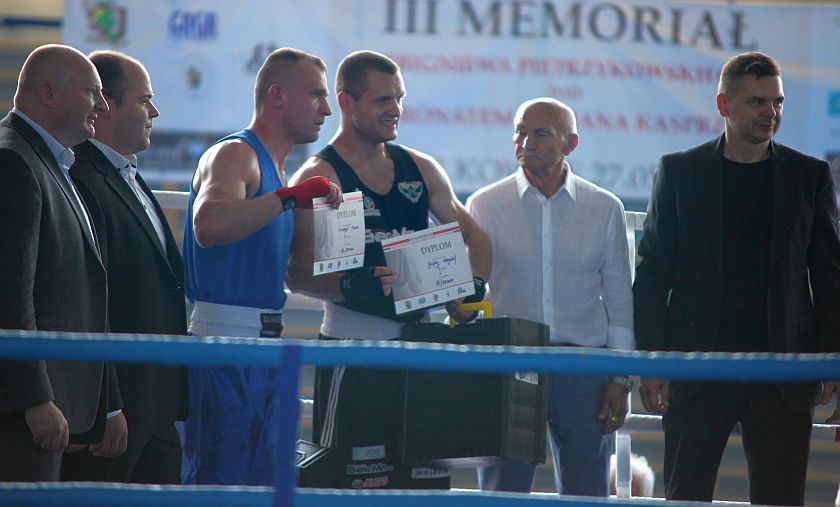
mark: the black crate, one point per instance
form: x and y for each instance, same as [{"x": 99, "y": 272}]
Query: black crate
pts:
[{"x": 472, "y": 419}]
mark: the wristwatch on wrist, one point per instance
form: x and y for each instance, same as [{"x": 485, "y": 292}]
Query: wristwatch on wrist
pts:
[{"x": 624, "y": 380}]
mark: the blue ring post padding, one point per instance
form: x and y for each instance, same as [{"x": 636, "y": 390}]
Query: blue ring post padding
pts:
[{"x": 288, "y": 388}]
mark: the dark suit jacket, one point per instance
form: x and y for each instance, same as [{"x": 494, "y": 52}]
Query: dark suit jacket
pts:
[
  {"x": 678, "y": 287},
  {"x": 145, "y": 285},
  {"x": 51, "y": 279}
]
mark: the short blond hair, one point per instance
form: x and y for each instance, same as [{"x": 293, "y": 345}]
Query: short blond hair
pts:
[{"x": 281, "y": 66}]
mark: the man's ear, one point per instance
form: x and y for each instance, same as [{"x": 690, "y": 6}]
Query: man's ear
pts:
[
  {"x": 344, "y": 100},
  {"x": 48, "y": 95},
  {"x": 723, "y": 108},
  {"x": 276, "y": 96},
  {"x": 571, "y": 143}
]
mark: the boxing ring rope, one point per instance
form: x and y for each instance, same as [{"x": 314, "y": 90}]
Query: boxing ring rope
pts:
[
  {"x": 289, "y": 354},
  {"x": 198, "y": 351}
]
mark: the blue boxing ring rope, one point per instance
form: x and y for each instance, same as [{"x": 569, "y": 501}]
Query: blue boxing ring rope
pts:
[{"x": 289, "y": 355}]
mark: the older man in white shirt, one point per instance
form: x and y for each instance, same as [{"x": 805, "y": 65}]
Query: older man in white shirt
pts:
[{"x": 560, "y": 256}]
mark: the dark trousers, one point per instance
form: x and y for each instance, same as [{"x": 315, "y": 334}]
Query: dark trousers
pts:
[
  {"x": 151, "y": 458},
  {"x": 23, "y": 461},
  {"x": 776, "y": 441},
  {"x": 357, "y": 413}
]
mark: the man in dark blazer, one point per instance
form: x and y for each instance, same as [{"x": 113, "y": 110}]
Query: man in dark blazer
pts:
[
  {"x": 740, "y": 254},
  {"x": 51, "y": 274},
  {"x": 145, "y": 276}
]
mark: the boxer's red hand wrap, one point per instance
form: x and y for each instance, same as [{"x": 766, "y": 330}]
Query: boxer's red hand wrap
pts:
[{"x": 300, "y": 196}]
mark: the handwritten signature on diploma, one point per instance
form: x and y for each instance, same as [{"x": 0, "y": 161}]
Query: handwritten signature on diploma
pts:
[{"x": 441, "y": 263}]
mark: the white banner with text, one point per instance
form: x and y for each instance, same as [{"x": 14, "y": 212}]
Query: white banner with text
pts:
[{"x": 641, "y": 75}]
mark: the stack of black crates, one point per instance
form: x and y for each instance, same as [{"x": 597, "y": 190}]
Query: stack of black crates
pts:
[{"x": 473, "y": 419}]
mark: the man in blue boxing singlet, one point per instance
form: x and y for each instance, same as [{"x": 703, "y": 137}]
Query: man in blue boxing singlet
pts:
[
  {"x": 236, "y": 245},
  {"x": 356, "y": 409}
]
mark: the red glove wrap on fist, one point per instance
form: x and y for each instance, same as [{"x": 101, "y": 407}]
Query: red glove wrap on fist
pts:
[{"x": 300, "y": 196}]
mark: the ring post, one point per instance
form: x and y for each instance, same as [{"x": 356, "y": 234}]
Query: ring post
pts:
[{"x": 288, "y": 406}]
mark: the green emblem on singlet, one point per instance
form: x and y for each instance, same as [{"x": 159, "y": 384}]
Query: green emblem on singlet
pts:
[{"x": 412, "y": 190}]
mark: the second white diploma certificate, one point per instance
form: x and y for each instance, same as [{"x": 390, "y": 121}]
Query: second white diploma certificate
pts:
[{"x": 432, "y": 267}]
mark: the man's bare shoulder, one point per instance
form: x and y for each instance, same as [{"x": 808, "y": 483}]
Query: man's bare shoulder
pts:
[
  {"x": 233, "y": 152},
  {"x": 314, "y": 166},
  {"x": 423, "y": 160},
  {"x": 430, "y": 168},
  {"x": 228, "y": 168}
]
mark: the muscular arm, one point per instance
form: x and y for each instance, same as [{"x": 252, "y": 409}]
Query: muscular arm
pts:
[
  {"x": 228, "y": 176},
  {"x": 446, "y": 208}
]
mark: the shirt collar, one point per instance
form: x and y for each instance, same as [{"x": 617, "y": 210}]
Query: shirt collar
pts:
[
  {"x": 569, "y": 186},
  {"x": 121, "y": 162},
  {"x": 63, "y": 155}
]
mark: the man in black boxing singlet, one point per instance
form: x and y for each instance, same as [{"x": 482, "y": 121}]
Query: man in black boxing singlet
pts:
[{"x": 356, "y": 410}]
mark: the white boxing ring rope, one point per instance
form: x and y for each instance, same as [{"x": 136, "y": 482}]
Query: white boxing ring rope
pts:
[{"x": 289, "y": 354}]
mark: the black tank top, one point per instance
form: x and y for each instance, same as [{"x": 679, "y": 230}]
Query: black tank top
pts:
[{"x": 404, "y": 209}]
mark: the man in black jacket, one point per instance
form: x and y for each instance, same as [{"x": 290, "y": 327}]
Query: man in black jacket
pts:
[
  {"x": 145, "y": 275},
  {"x": 51, "y": 274},
  {"x": 740, "y": 254}
]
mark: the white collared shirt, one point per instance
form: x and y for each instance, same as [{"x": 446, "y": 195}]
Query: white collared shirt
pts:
[
  {"x": 63, "y": 155},
  {"x": 562, "y": 260},
  {"x": 127, "y": 167}
]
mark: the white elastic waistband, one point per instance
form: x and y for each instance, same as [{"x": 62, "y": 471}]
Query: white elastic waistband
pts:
[
  {"x": 214, "y": 319},
  {"x": 340, "y": 322}
]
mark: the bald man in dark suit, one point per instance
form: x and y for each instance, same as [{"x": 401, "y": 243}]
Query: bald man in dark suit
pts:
[{"x": 51, "y": 274}]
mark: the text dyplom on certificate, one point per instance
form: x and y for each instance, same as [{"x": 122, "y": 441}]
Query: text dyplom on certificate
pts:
[
  {"x": 432, "y": 267},
  {"x": 339, "y": 234}
]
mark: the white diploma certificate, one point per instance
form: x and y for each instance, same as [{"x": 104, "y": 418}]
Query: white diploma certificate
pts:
[
  {"x": 432, "y": 267},
  {"x": 339, "y": 234}
]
